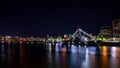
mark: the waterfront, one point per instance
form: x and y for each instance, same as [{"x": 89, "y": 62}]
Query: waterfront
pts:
[{"x": 39, "y": 56}]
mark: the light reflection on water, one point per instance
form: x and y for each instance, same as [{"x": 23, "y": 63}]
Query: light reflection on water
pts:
[{"x": 73, "y": 57}]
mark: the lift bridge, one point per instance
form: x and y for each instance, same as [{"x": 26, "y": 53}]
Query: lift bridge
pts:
[
  {"x": 81, "y": 36},
  {"x": 78, "y": 37}
]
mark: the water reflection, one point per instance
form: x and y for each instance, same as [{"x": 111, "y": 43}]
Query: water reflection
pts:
[{"x": 32, "y": 56}]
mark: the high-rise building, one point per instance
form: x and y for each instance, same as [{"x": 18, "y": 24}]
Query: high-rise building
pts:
[
  {"x": 116, "y": 28},
  {"x": 106, "y": 31}
]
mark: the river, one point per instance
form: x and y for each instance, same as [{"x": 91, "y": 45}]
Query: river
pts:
[{"x": 39, "y": 56}]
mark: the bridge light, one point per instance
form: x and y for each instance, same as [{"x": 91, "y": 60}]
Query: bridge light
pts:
[
  {"x": 65, "y": 35},
  {"x": 85, "y": 39}
]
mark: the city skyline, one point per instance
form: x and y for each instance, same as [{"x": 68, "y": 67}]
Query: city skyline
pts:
[
  {"x": 59, "y": 34},
  {"x": 55, "y": 17}
]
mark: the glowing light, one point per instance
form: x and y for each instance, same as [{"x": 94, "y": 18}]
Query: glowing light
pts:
[
  {"x": 85, "y": 39},
  {"x": 63, "y": 49},
  {"x": 104, "y": 39},
  {"x": 104, "y": 50},
  {"x": 59, "y": 39},
  {"x": 7, "y": 36},
  {"x": 74, "y": 49},
  {"x": 114, "y": 50},
  {"x": 65, "y": 35}
]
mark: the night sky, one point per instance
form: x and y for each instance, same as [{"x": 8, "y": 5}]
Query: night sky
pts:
[{"x": 39, "y": 18}]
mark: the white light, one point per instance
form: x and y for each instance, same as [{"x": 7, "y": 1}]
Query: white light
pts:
[
  {"x": 113, "y": 48},
  {"x": 8, "y": 36},
  {"x": 74, "y": 49},
  {"x": 85, "y": 39},
  {"x": 113, "y": 53}
]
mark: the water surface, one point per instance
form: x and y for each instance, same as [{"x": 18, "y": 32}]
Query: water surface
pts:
[{"x": 38, "y": 56}]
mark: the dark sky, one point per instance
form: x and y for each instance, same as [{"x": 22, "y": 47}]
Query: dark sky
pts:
[{"x": 39, "y": 18}]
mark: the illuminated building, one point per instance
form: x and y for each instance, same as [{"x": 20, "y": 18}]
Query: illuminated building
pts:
[
  {"x": 106, "y": 31},
  {"x": 116, "y": 28}
]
